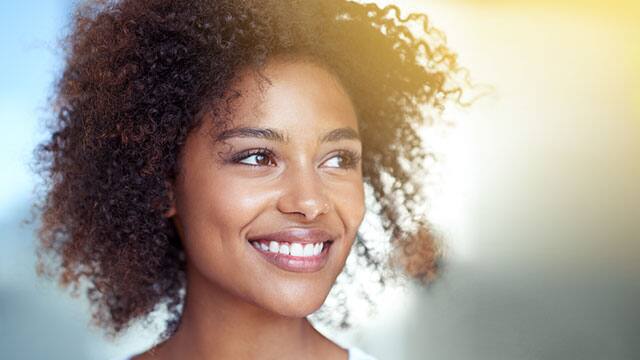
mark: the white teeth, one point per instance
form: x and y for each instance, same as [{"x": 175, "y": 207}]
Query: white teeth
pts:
[
  {"x": 296, "y": 249},
  {"x": 308, "y": 250},
  {"x": 284, "y": 249},
  {"x": 293, "y": 249}
]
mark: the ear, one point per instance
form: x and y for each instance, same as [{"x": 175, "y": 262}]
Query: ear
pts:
[
  {"x": 171, "y": 212},
  {"x": 172, "y": 209}
]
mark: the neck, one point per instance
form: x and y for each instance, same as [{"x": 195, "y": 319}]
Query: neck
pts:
[{"x": 218, "y": 325}]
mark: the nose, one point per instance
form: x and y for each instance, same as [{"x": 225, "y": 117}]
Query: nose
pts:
[{"x": 304, "y": 194}]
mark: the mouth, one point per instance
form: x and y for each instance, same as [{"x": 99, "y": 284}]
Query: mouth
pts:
[{"x": 294, "y": 256}]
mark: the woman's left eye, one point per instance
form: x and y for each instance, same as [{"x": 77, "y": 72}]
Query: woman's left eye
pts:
[{"x": 345, "y": 159}]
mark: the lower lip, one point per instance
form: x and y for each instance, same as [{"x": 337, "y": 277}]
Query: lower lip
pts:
[{"x": 297, "y": 263}]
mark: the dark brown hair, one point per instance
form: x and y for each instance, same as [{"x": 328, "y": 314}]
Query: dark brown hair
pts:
[{"x": 137, "y": 74}]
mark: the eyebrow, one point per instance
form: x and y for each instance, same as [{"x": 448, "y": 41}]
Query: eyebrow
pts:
[{"x": 344, "y": 133}]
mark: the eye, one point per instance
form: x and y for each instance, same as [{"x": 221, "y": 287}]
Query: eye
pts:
[
  {"x": 345, "y": 159},
  {"x": 256, "y": 157}
]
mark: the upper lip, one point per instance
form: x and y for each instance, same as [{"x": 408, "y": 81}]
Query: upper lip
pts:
[{"x": 297, "y": 235}]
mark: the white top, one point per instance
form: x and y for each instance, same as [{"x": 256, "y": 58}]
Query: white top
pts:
[
  {"x": 354, "y": 354},
  {"x": 357, "y": 354}
]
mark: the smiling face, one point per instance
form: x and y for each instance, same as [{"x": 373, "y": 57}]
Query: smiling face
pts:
[{"x": 268, "y": 208}]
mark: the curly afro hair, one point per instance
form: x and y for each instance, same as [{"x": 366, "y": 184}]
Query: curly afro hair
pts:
[{"x": 137, "y": 76}]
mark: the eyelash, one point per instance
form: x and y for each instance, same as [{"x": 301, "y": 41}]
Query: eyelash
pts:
[{"x": 350, "y": 157}]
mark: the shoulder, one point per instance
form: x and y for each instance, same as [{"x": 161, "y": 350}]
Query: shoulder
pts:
[
  {"x": 354, "y": 354},
  {"x": 357, "y": 354}
]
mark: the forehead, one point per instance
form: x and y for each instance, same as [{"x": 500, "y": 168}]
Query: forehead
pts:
[{"x": 298, "y": 97}]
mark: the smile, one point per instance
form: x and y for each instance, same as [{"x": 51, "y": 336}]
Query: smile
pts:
[
  {"x": 293, "y": 249},
  {"x": 295, "y": 257}
]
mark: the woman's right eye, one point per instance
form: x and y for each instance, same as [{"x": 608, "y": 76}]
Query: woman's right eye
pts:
[{"x": 255, "y": 158}]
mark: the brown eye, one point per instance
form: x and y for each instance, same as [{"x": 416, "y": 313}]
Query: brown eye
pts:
[
  {"x": 345, "y": 159},
  {"x": 260, "y": 157}
]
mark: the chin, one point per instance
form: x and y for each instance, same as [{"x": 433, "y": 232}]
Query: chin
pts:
[
  {"x": 296, "y": 302},
  {"x": 299, "y": 310}
]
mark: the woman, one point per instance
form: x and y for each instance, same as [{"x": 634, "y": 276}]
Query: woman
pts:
[{"x": 211, "y": 156}]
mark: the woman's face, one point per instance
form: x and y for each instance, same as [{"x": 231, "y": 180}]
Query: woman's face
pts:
[{"x": 268, "y": 208}]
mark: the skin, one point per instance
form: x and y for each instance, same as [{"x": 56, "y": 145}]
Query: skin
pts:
[{"x": 238, "y": 305}]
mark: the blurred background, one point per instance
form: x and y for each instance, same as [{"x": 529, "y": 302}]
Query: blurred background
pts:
[{"x": 538, "y": 192}]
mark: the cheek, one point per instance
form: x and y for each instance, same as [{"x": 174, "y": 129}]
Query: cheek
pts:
[
  {"x": 214, "y": 210},
  {"x": 350, "y": 206},
  {"x": 235, "y": 204},
  {"x": 212, "y": 203}
]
